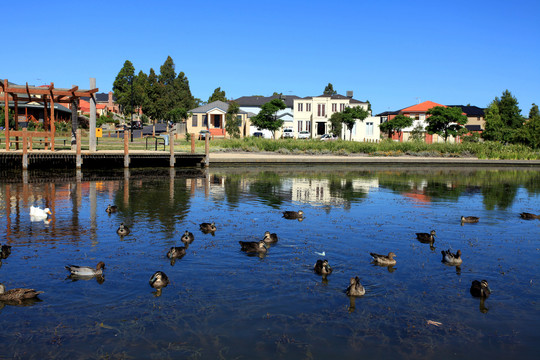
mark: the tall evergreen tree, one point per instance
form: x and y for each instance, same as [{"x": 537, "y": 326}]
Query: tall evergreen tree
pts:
[
  {"x": 509, "y": 110},
  {"x": 232, "y": 122},
  {"x": 329, "y": 90},
  {"x": 181, "y": 86},
  {"x": 494, "y": 128},
  {"x": 218, "y": 94},
  {"x": 150, "y": 107},
  {"x": 140, "y": 95},
  {"x": 503, "y": 119},
  {"x": 123, "y": 88}
]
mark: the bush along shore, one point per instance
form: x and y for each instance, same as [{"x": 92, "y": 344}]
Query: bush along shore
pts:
[{"x": 480, "y": 150}]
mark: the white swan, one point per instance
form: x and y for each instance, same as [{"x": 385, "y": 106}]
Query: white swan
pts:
[{"x": 37, "y": 214}]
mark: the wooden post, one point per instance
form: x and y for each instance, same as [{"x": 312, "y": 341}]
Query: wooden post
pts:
[
  {"x": 24, "y": 151},
  {"x": 193, "y": 143},
  {"x": 206, "y": 151},
  {"x": 92, "y": 140},
  {"x": 171, "y": 146},
  {"x": 74, "y": 122},
  {"x": 78, "y": 161},
  {"x": 16, "y": 102},
  {"x": 45, "y": 121},
  {"x": 52, "y": 127},
  {"x": 6, "y": 113},
  {"x": 126, "y": 148}
]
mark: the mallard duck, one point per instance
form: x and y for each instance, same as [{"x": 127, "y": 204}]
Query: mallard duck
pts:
[
  {"x": 480, "y": 289},
  {"x": 253, "y": 246},
  {"x": 37, "y": 214},
  {"x": 123, "y": 230},
  {"x": 111, "y": 209},
  {"x": 187, "y": 238},
  {"x": 86, "y": 271},
  {"x": 17, "y": 294},
  {"x": 176, "y": 252},
  {"x": 469, "y": 219},
  {"x": 293, "y": 215},
  {"x": 529, "y": 216},
  {"x": 5, "y": 251},
  {"x": 208, "y": 228},
  {"x": 425, "y": 237},
  {"x": 322, "y": 267},
  {"x": 159, "y": 280},
  {"x": 384, "y": 259},
  {"x": 355, "y": 288},
  {"x": 270, "y": 238},
  {"x": 451, "y": 259}
]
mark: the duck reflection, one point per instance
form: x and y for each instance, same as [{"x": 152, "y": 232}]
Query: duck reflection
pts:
[
  {"x": 100, "y": 279},
  {"x": 24, "y": 302},
  {"x": 482, "y": 307}
]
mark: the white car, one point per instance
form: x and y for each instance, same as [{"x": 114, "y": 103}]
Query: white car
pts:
[
  {"x": 304, "y": 135},
  {"x": 288, "y": 133},
  {"x": 328, "y": 137}
]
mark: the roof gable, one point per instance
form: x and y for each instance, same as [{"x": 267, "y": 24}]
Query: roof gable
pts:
[{"x": 422, "y": 107}]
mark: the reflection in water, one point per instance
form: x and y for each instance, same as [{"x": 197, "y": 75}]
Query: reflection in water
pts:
[
  {"x": 220, "y": 304},
  {"x": 100, "y": 279}
]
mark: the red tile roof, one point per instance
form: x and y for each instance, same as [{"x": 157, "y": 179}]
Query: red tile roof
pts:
[{"x": 422, "y": 107}]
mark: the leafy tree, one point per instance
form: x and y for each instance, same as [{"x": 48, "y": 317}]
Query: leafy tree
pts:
[
  {"x": 123, "y": 88},
  {"x": 396, "y": 124},
  {"x": 267, "y": 117},
  {"x": 417, "y": 134},
  {"x": 445, "y": 121},
  {"x": 177, "y": 114},
  {"x": 494, "y": 128},
  {"x": 529, "y": 134},
  {"x": 336, "y": 123},
  {"x": 217, "y": 95},
  {"x": 232, "y": 122},
  {"x": 351, "y": 114},
  {"x": 329, "y": 90},
  {"x": 509, "y": 110}
]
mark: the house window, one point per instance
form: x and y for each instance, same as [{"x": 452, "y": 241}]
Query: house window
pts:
[
  {"x": 341, "y": 107},
  {"x": 194, "y": 121},
  {"x": 320, "y": 109},
  {"x": 205, "y": 120},
  {"x": 369, "y": 129},
  {"x": 299, "y": 126},
  {"x": 300, "y": 106},
  {"x": 308, "y": 107},
  {"x": 334, "y": 107},
  {"x": 308, "y": 125}
]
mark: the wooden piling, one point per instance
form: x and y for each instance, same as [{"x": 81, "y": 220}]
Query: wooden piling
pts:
[
  {"x": 78, "y": 160},
  {"x": 126, "y": 148},
  {"x": 206, "y": 151},
  {"x": 193, "y": 143},
  {"x": 24, "y": 150},
  {"x": 171, "y": 147}
]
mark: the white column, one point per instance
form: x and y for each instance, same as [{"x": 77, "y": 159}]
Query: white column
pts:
[{"x": 92, "y": 135}]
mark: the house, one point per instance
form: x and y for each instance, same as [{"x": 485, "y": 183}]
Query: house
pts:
[
  {"x": 418, "y": 112},
  {"x": 211, "y": 117},
  {"x": 104, "y": 101},
  {"x": 313, "y": 114},
  {"x": 252, "y": 104}
]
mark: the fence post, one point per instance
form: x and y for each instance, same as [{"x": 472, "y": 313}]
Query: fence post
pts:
[
  {"x": 126, "y": 148},
  {"x": 193, "y": 143},
  {"x": 24, "y": 150},
  {"x": 171, "y": 146},
  {"x": 78, "y": 158},
  {"x": 206, "y": 151}
]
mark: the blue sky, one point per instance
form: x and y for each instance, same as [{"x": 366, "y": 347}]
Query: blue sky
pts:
[{"x": 392, "y": 53}]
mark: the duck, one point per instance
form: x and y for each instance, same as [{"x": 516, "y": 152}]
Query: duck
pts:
[
  {"x": 529, "y": 216},
  {"x": 5, "y": 251},
  {"x": 123, "y": 230},
  {"x": 187, "y": 238},
  {"x": 111, "y": 209},
  {"x": 355, "y": 288},
  {"x": 322, "y": 267},
  {"x": 293, "y": 215},
  {"x": 451, "y": 259},
  {"x": 208, "y": 228},
  {"x": 159, "y": 280},
  {"x": 425, "y": 237},
  {"x": 384, "y": 259},
  {"x": 480, "y": 289},
  {"x": 469, "y": 219},
  {"x": 37, "y": 214},
  {"x": 17, "y": 294},
  {"x": 176, "y": 252},
  {"x": 253, "y": 246},
  {"x": 86, "y": 271},
  {"x": 270, "y": 238}
]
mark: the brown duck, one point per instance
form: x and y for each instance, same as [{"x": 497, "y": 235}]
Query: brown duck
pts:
[{"x": 17, "y": 294}]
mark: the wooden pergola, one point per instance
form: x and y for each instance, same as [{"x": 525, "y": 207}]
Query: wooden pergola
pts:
[{"x": 48, "y": 95}]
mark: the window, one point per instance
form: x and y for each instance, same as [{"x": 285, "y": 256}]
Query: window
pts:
[
  {"x": 299, "y": 126},
  {"x": 341, "y": 107},
  {"x": 194, "y": 121},
  {"x": 308, "y": 125},
  {"x": 300, "y": 106},
  {"x": 205, "y": 120},
  {"x": 334, "y": 107},
  {"x": 308, "y": 107},
  {"x": 320, "y": 110},
  {"x": 369, "y": 129}
]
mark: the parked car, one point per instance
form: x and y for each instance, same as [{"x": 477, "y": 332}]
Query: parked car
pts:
[
  {"x": 328, "y": 137},
  {"x": 304, "y": 135},
  {"x": 288, "y": 133},
  {"x": 258, "y": 134},
  {"x": 203, "y": 134},
  {"x": 136, "y": 125}
]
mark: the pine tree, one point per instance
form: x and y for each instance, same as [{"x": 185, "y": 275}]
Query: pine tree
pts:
[
  {"x": 123, "y": 87},
  {"x": 329, "y": 90},
  {"x": 218, "y": 94}
]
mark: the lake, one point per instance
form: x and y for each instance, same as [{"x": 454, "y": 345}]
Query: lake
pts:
[{"x": 224, "y": 303}]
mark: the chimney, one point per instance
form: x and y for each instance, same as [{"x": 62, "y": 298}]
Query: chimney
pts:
[
  {"x": 110, "y": 99},
  {"x": 349, "y": 94}
]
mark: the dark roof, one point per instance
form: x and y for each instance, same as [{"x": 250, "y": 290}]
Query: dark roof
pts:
[
  {"x": 386, "y": 113},
  {"x": 473, "y": 127},
  {"x": 24, "y": 104},
  {"x": 258, "y": 101},
  {"x": 470, "y": 110},
  {"x": 101, "y": 97},
  {"x": 337, "y": 97}
]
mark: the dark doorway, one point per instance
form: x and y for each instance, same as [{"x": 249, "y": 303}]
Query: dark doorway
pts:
[
  {"x": 321, "y": 128},
  {"x": 216, "y": 121}
]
